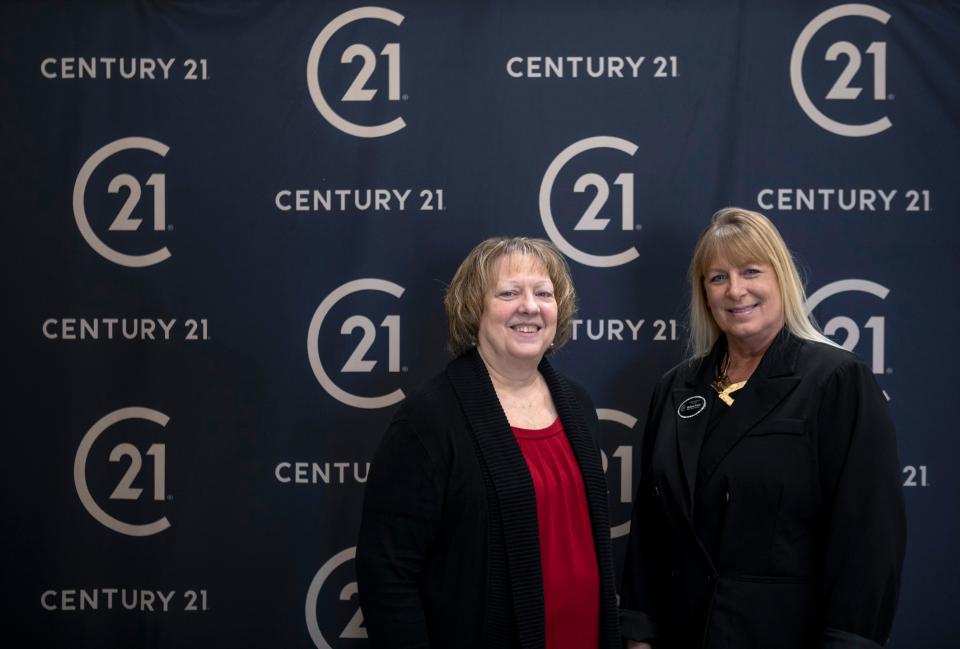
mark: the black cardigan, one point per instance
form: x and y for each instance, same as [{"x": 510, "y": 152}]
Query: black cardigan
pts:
[{"x": 449, "y": 554}]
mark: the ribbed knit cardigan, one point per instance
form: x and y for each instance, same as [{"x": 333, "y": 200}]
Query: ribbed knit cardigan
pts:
[{"x": 512, "y": 602}]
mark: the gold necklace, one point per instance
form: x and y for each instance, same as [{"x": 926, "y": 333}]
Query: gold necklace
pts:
[
  {"x": 725, "y": 392},
  {"x": 722, "y": 385}
]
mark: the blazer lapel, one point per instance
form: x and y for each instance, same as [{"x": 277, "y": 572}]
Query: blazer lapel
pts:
[
  {"x": 691, "y": 413},
  {"x": 773, "y": 380}
]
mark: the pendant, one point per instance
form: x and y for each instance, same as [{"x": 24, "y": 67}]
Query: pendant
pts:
[{"x": 725, "y": 393}]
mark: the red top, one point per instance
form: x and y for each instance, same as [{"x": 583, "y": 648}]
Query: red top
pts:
[{"x": 571, "y": 581}]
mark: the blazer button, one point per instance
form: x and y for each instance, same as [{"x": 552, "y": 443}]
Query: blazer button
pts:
[
  {"x": 674, "y": 573},
  {"x": 709, "y": 579},
  {"x": 656, "y": 491},
  {"x": 726, "y": 496}
]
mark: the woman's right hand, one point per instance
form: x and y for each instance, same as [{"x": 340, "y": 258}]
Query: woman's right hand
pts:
[{"x": 633, "y": 644}]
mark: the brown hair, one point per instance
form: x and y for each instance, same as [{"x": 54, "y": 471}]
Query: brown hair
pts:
[{"x": 467, "y": 290}]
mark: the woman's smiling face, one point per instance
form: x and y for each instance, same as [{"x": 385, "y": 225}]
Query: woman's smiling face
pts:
[
  {"x": 519, "y": 318},
  {"x": 745, "y": 301}
]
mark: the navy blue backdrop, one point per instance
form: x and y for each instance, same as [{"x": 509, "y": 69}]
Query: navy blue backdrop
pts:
[{"x": 228, "y": 228}]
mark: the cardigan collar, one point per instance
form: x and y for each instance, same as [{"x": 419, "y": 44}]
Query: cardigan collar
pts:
[{"x": 513, "y": 531}]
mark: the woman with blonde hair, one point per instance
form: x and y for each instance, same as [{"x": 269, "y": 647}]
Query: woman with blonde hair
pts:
[{"x": 769, "y": 511}]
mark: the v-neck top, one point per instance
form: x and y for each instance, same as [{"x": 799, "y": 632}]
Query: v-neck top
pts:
[{"x": 568, "y": 558}]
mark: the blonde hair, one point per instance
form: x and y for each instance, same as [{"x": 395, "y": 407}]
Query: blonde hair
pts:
[
  {"x": 467, "y": 290},
  {"x": 741, "y": 236}
]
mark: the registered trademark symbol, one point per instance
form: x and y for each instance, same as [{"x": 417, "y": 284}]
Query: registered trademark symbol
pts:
[
  {"x": 169, "y": 228},
  {"x": 638, "y": 227},
  {"x": 404, "y": 369},
  {"x": 890, "y": 96},
  {"x": 404, "y": 96},
  {"x": 889, "y": 370},
  {"x": 169, "y": 498}
]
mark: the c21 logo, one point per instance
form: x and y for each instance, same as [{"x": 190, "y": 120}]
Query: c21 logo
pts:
[
  {"x": 624, "y": 454},
  {"x": 590, "y": 220},
  {"x": 358, "y": 90},
  {"x": 354, "y": 628},
  {"x": 124, "y": 222},
  {"x": 358, "y": 361},
  {"x": 876, "y": 324},
  {"x": 842, "y": 88},
  {"x": 124, "y": 489}
]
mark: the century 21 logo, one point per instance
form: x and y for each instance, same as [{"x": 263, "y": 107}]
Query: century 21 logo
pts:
[
  {"x": 358, "y": 361},
  {"x": 841, "y": 89},
  {"x": 358, "y": 90},
  {"x": 124, "y": 222},
  {"x": 590, "y": 220},
  {"x": 624, "y": 456},
  {"x": 354, "y": 629},
  {"x": 124, "y": 489},
  {"x": 876, "y": 323}
]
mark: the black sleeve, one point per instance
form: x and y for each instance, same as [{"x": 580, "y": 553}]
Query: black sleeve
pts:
[
  {"x": 401, "y": 517},
  {"x": 636, "y": 621},
  {"x": 865, "y": 526}
]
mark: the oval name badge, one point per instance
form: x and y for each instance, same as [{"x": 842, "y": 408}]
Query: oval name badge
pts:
[{"x": 691, "y": 407}]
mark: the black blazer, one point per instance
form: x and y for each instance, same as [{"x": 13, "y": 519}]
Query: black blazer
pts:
[
  {"x": 449, "y": 553},
  {"x": 787, "y": 528}
]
